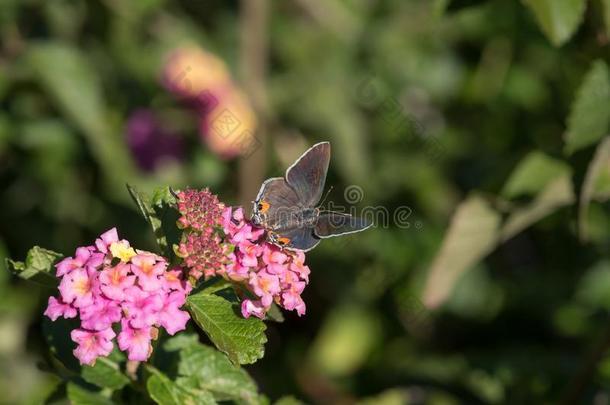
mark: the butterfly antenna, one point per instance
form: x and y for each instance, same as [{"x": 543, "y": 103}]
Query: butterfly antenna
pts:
[{"x": 326, "y": 196}]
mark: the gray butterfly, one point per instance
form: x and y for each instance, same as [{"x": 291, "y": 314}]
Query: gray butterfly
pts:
[{"x": 287, "y": 206}]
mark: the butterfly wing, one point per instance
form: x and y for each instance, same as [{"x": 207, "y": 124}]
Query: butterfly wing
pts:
[
  {"x": 308, "y": 174},
  {"x": 275, "y": 203},
  {"x": 301, "y": 238},
  {"x": 331, "y": 224}
]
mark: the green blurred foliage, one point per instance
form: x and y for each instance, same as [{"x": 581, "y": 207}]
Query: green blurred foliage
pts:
[{"x": 425, "y": 102}]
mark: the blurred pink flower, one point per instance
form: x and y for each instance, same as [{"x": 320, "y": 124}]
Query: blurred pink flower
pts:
[
  {"x": 150, "y": 142},
  {"x": 227, "y": 122},
  {"x": 229, "y": 129},
  {"x": 190, "y": 71}
]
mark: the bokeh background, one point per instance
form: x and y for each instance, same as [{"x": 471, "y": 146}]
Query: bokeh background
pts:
[{"x": 495, "y": 288}]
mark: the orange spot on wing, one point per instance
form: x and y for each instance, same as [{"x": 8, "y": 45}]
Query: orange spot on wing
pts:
[
  {"x": 263, "y": 206},
  {"x": 283, "y": 241}
]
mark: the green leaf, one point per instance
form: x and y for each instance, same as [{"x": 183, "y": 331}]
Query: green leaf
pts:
[
  {"x": 335, "y": 352},
  {"x": 290, "y": 400},
  {"x": 159, "y": 211},
  {"x": 166, "y": 392},
  {"x": 66, "y": 75},
  {"x": 599, "y": 166},
  {"x": 472, "y": 234},
  {"x": 80, "y": 396},
  {"x": 57, "y": 335},
  {"x": 202, "y": 367},
  {"x": 274, "y": 314},
  {"x": 38, "y": 266},
  {"x": 533, "y": 173},
  {"x": 106, "y": 373},
  {"x": 593, "y": 286},
  {"x": 555, "y": 195},
  {"x": 241, "y": 339},
  {"x": 558, "y": 19},
  {"x": 589, "y": 115}
]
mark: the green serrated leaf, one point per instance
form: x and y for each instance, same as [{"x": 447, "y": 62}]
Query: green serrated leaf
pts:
[
  {"x": 472, "y": 234},
  {"x": 166, "y": 392},
  {"x": 589, "y": 115},
  {"x": 180, "y": 341},
  {"x": 80, "y": 396},
  {"x": 106, "y": 373},
  {"x": 38, "y": 266},
  {"x": 558, "y": 19},
  {"x": 160, "y": 213},
  {"x": 203, "y": 367},
  {"x": 240, "y": 338},
  {"x": 533, "y": 173}
]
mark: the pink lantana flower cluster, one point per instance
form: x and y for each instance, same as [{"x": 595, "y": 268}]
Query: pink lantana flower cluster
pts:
[
  {"x": 110, "y": 284},
  {"x": 271, "y": 274},
  {"x": 201, "y": 249},
  {"x": 221, "y": 241}
]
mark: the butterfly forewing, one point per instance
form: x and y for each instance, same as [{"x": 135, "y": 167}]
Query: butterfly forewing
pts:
[
  {"x": 276, "y": 201},
  {"x": 308, "y": 174}
]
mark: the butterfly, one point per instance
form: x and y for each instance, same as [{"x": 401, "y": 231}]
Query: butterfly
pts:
[{"x": 287, "y": 207}]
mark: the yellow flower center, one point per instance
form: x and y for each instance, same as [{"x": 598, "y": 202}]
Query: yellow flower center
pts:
[
  {"x": 115, "y": 276},
  {"x": 146, "y": 267},
  {"x": 82, "y": 286},
  {"x": 122, "y": 251}
]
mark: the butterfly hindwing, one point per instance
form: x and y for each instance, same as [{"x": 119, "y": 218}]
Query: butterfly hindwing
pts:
[
  {"x": 331, "y": 224},
  {"x": 299, "y": 238},
  {"x": 308, "y": 174}
]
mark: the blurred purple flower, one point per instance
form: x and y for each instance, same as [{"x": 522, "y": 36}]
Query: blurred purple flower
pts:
[{"x": 151, "y": 143}]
